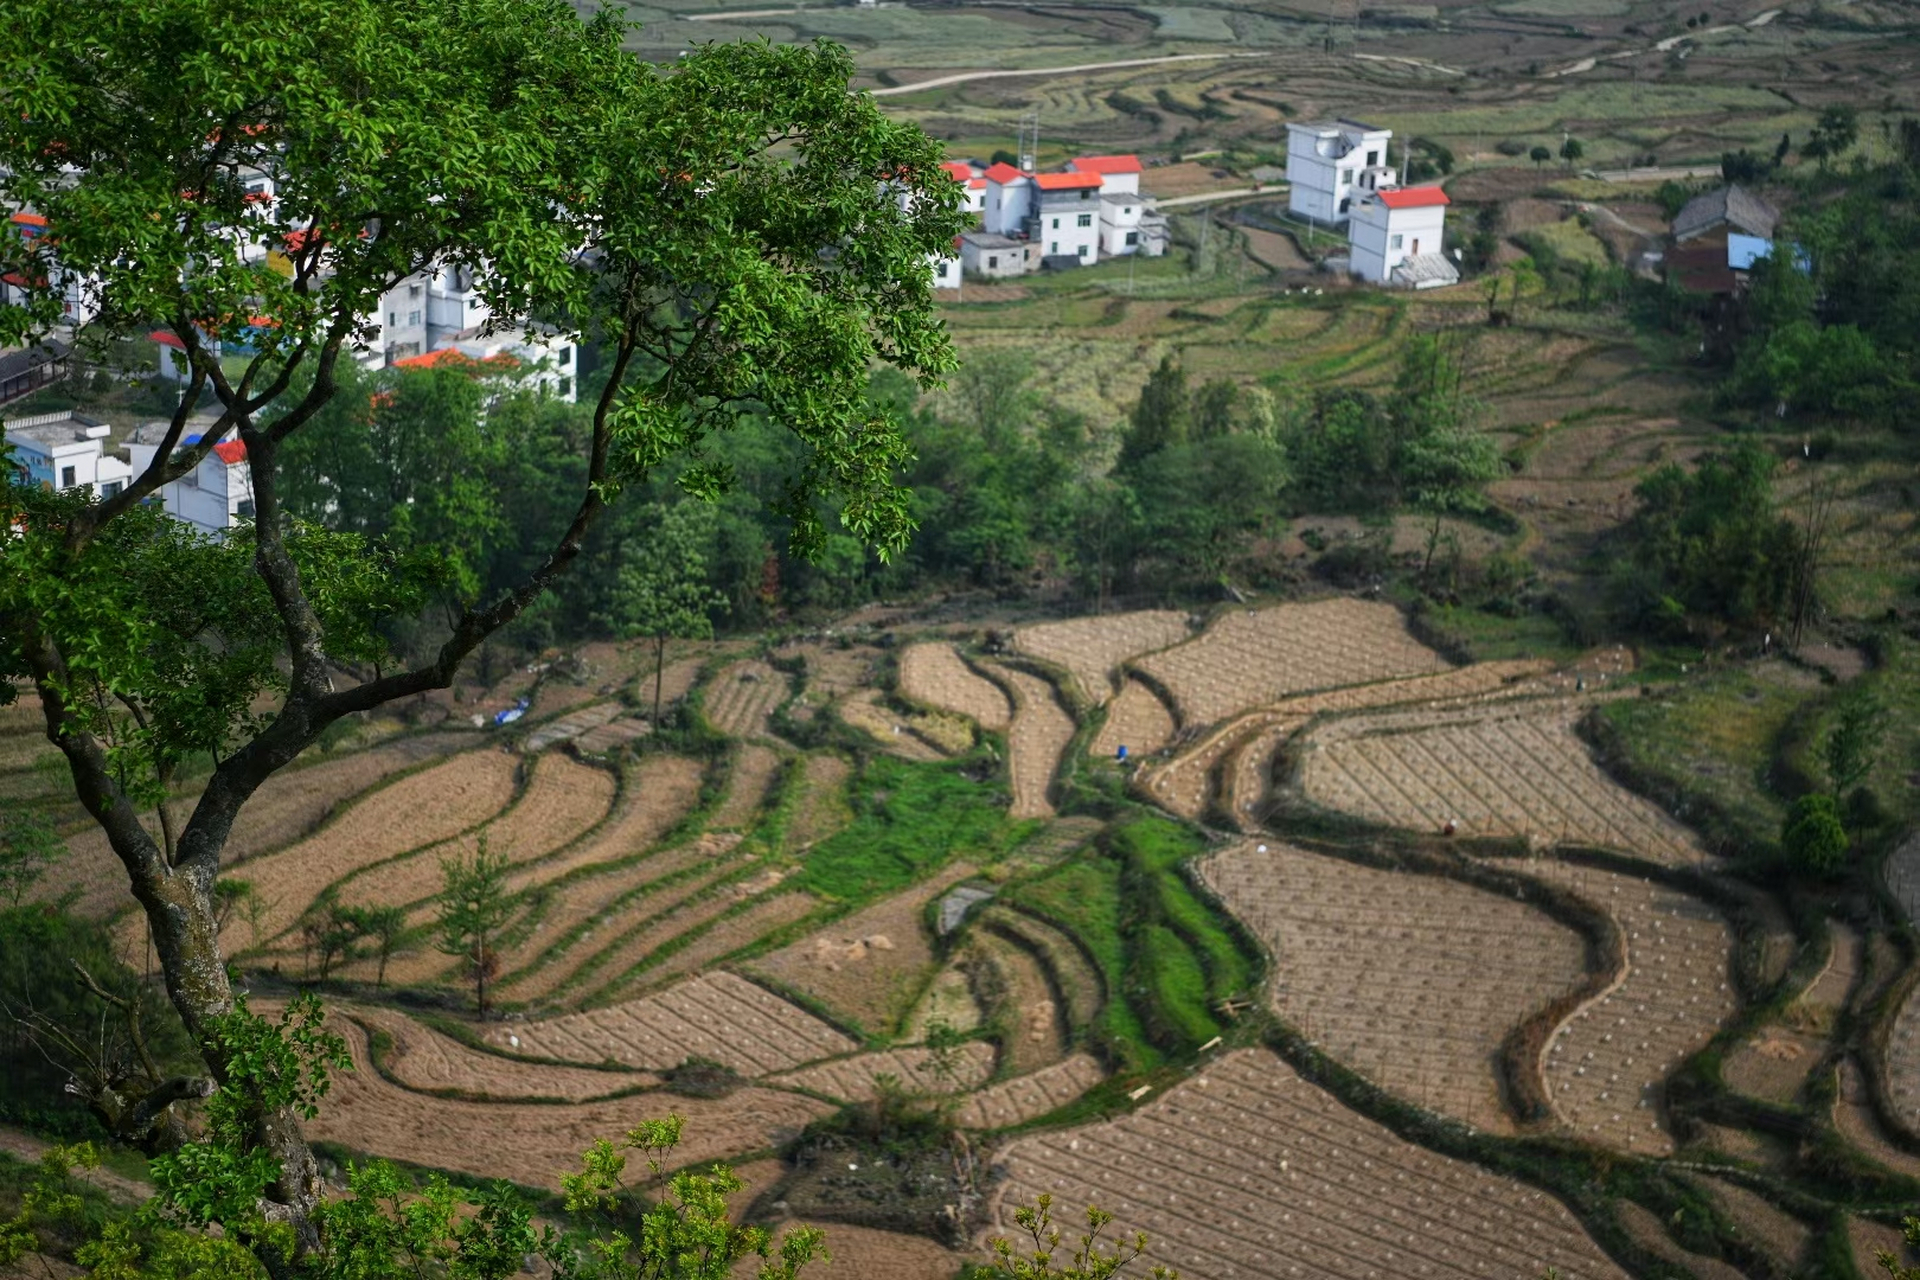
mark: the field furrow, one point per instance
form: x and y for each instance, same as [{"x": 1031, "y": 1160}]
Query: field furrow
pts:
[
  {"x": 1092, "y": 649},
  {"x": 1251, "y": 657},
  {"x": 418, "y": 811},
  {"x": 1040, "y": 733},
  {"x": 1136, "y": 720},
  {"x": 935, "y": 675},
  {"x": 713, "y": 940},
  {"x": 1411, "y": 980},
  {"x": 1248, "y": 1170},
  {"x": 918, "y": 1071},
  {"x": 1606, "y": 1064},
  {"x": 1024, "y": 1098},
  {"x": 718, "y": 1016},
  {"x": 750, "y": 779},
  {"x": 535, "y": 1143},
  {"x": 421, "y": 1058},
  {"x": 741, "y": 699},
  {"x": 658, "y": 793}
]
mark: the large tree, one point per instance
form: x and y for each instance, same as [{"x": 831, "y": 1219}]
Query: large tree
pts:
[{"x": 734, "y": 231}]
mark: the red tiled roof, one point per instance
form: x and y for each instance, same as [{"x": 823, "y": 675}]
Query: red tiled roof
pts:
[
  {"x": 1003, "y": 173},
  {"x": 1413, "y": 198},
  {"x": 231, "y": 452},
  {"x": 1065, "y": 181},
  {"x": 958, "y": 170},
  {"x": 167, "y": 338},
  {"x": 432, "y": 359},
  {"x": 30, "y": 219},
  {"x": 1106, "y": 164}
]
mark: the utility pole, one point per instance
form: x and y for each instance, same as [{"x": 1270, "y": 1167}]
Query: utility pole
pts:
[{"x": 1029, "y": 145}]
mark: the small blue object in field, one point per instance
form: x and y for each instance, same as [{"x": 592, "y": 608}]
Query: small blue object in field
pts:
[
  {"x": 1121, "y": 752},
  {"x": 512, "y": 713}
]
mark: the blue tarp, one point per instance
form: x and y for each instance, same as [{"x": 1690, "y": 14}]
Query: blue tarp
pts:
[{"x": 1744, "y": 251}]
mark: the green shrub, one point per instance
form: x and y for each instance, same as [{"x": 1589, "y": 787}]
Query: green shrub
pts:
[{"x": 1813, "y": 837}]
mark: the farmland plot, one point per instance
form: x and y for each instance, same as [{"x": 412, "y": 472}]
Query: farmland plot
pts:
[
  {"x": 535, "y": 1143},
  {"x": 863, "y": 711},
  {"x": 1248, "y": 1170},
  {"x": 419, "y": 810},
  {"x": 1510, "y": 770},
  {"x": 707, "y": 943},
  {"x": 868, "y": 1253},
  {"x": 1040, "y": 733},
  {"x": 719, "y": 1016},
  {"x": 1605, "y": 1064},
  {"x": 1136, "y": 720},
  {"x": 934, "y": 674},
  {"x": 659, "y": 792},
  {"x": 1028, "y": 1004},
  {"x": 741, "y": 698},
  {"x": 1027, "y": 1097},
  {"x": 1249, "y": 658},
  {"x": 823, "y": 806},
  {"x": 562, "y": 802},
  {"x": 1903, "y": 1063},
  {"x": 918, "y": 1071},
  {"x": 867, "y": 967},
  {"x": 755, "y": 766},
  {"x": 421, "y": 1058},
  {"x": 1411, "y": 980},
  {"x": 572, "y": 725},
  {"x": 1092, "y": 649}
]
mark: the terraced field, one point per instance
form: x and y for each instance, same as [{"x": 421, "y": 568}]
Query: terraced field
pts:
[
  {"x": 1031, "y": 1096},
  {"x": 893, "y": 732},
  {"x": 1248, "y": 658},
  {"x": 1040, "y": 733},
  {"x": 741, "y": 699},
  {"x": 422, "y": 1059},
  {"x": 1605, "y": 1065},
  {"x": 1093, "y": 649},
  {"x": 1411, "y": 980},
  {"x": 1510, "y": 770},
  {"x": 1248, "y": 1170},
  {"x": 934, "y": 674},
  {"x": 1136, "y": 720},
  {"x": 918, "y": 1071}
]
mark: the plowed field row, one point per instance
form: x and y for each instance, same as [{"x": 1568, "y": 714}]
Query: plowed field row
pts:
[
  {"x": 742, "y": 697},
  {"x": 535, "y": 1143},
  {"x": 1605, "y": 1065},
  {"x": 1248, "y": 1170},
  {"x": 935, "y": 674},
  {"x": 1136, "y": 720},
  {"x": 1028, "y": 1097},
  {"x": 1903, "y": 1063},
  {"x": 659, "y": 792},
  {"x": 1515, "y": 770},
  {"x": 1092, "y": 649},
  {"x": 1040, "y": 733},
  {"x": 419, "y": 810},
  {"x": 1411, "y": 980},
  {"x": 563, "y": 800},
  {"x": 755, "y": 766},
  {"x": 713, "y": 940},
  {"x": 868, "y": 1253},
  {"x": 1030, "y": 1007},
  {"x": 421, "y": 1058},
  {"x": 717, "y": 1016},
  {"x": 916, "y": 1070},
  {"x": 1249, "y": 658}
]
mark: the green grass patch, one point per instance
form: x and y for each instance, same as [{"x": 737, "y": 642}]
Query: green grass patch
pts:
[
  {"x": 1566, "y": 241},
  {"x": 1494, "y": 637},
  {"x": 909, "y": 820},
  {"x": 1083, "y": 899}
]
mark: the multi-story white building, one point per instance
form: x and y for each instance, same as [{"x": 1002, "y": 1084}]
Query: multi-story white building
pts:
[
  {"x": 1395, "y": 238},
  {"x": 973, "y": 179},
  {"x": 1066, "y": 217},
  {"x": 65, "y": 451},
  {"x": 1119, "y": 175},
  {"x": 1330, "y": 162},
  {"x": 214, "y": 496},
  {"x": 1008, "y": 200}
]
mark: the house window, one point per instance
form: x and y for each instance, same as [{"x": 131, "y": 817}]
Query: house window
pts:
[
  {"x": 1373, "y": 158},
  {"x": 1346, "y": 177},
  {"x": 993, "y": 260},
  {"x": 566, "y": 386},
  {"x": 1056, "y": 224},
  {"x": 1394, "y": 242},
  {"x": 244, "y": 508},
  {"x": 111, "y": 488},
  {"x": 566, "y": 353},
  {"x": 1086, "y": 219},
  {"x": 393, "y": 319},
  {"x": 473, "y": 304},
  {"x": 1083, "y": 250},
  {"x": 66, "y": 478},
  {"x": 1416, "y": 248},
  {"x": 1128, "y": 211},
  {"x": 1054, "y": 247},
  {"x": 413, "y": 291},
  {"x": 943, "y": 271},
  {"x": 413, "y": 317},
  {"x": 1133, "y": 238}
]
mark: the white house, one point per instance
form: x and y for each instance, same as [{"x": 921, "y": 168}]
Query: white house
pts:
[
  {"x": 947, "y": 267},
  {"x": 1119, "y": 175},
  {"x": 548, "y": 360},
  {"x": 1329, "y": 162},
  {"x": 214, "y": 496},
  {"x": 79, "y": 302},
  {"x": 989, "y": 256},
  {"x": 1395, "y": 238},
  {"x": 1066, "y": 217},
  {"x": 1008, "y": 200},
  {"x": 65, "y": 451},
  {"x": 973, "y": 180}
]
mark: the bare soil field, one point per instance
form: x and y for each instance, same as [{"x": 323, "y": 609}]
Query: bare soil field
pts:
[
  {"x": 1773, "y": 1064},
  {"x": 637, "y": 929},
  {"x": 419, "y": 810},
  {"x": 1249, "y": 1169},
  {"x": 869, "y": 967},
  {"x": 658, "y": 792},
  {"x": 287, "y": 807},
  {"x": 1903, "y": 1063},
  {"x": 1251, "y": 657},
  {"x": 1092, "y": 649},
  {"x": 1605, "y": 1065},
  {"x": 755, "y": 766},
  {"x": 1645, "y": 1227},
  {"x": 535, "y": 1143},
  {"x": 714, "y": 944},
  {"x": 740, "y": 698},
  {"x": 1040, "y": 733},
  {"x": 935, "y": 674},
  {"x": 1029, "y": 1007},
  {"x": 421, "y": 1058},
  {"x": 1027, "y": 1097},
  {"x": 868, "y": 1253},
  {"x": 1779, "y": 1233},
  {"x": 1411, "y": 980},
  {"x": 1136, "y": 720},
  {"x": 893, "y": 732},
  {"x": 721, "y": 1017},
  {"x": 1853, "y": 1117},
  {"x": 1511, "y": 770},
  {"x": 572, "y": 725},
  {"x": 918, "y": 1071},
  {"x": 563, "y": 800}
]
